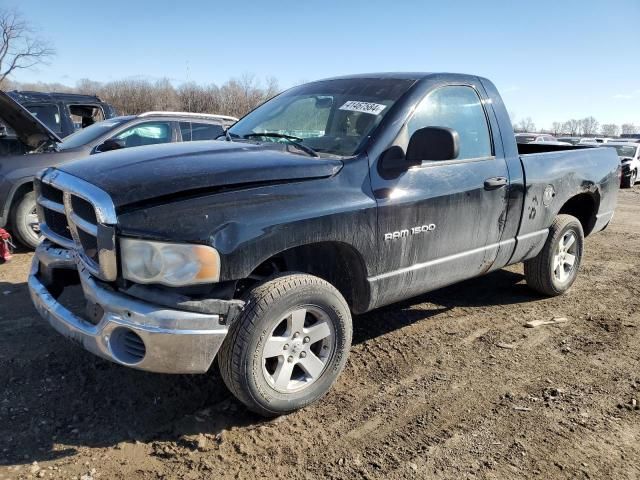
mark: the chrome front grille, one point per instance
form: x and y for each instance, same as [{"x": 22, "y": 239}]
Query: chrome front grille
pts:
[
  {"x": 79, "y": 216},
  {"x": 52, "y": 215}
]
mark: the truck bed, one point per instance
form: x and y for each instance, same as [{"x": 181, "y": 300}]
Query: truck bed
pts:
[{"x": 556, "y": 173}]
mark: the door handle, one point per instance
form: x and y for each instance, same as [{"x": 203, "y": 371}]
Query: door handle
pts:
[{"x": 495, "y": 183}]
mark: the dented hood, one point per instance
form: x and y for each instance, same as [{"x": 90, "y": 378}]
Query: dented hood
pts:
[
  {"x": 140, "y": 174},
  {"x": 31, "y": 131}
]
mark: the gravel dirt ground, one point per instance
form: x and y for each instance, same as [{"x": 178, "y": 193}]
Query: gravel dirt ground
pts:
[{"x": 448, "y": 385}]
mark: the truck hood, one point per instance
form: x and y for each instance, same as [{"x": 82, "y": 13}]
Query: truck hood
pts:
[
  {"x": 141, "y": 174},
  {"x": 31, "y": 131}
]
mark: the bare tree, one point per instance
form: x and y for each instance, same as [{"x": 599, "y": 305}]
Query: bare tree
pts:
[
  {"x": 573, "y": 127},
  {"x": 628, "y": 128},
  {"x": 196, "y": 98},
  {"x": 19, "y": 47},
  {"x": 589, "y": 126},
  {"x": 525, "y": 125},
  {"x": 610, "y": 130},
  {"x": 87, "y": 86},
  {"x": 132, "y": 96},
  {"x": 165, "y": 96},
  {"x": 557, "y": 128}
]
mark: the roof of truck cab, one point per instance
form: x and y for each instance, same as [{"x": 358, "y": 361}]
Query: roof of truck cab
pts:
[{"x": 400, "y": 75}]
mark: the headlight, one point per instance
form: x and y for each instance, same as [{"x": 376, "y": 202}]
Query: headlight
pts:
[{"x": 173, "y": 264}]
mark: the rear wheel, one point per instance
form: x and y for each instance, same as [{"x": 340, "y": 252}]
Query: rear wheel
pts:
[
  {"x": 555, "y": 268},
  {"x": 288, "y": 346},
  {"x": 24, "y": 221}
]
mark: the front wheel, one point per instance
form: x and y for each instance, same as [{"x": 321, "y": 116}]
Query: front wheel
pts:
[
  {"x": 24, "y": 221},
  {"x": 555, "y": 268},
  {"x": 288, "y": 346}
]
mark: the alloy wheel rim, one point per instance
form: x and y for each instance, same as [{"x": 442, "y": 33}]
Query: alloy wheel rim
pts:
[
  {"x": 565, "y": 257},
  {"x": 298, "y": 349},
  {"x": 32, "y": 221}
]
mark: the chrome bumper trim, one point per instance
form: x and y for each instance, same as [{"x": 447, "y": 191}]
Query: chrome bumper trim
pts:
[{"x": 175, "y": 341}]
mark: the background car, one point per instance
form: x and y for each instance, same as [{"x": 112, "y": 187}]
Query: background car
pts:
[
  {"x": 64, "y": 113},
  {"x": 629, "y": 154},
  {"x": 571, "y": 140},
  {"x": 623, "y": 140},
  {"x": 594, "y": 140},
  {"x": 538, "y": 138},
  {"x": 30, "y": 146}
]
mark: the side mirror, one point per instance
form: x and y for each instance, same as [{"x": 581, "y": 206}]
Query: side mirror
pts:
[
  {"x": 111, "y": 144},
  {"x": 433, "y": 143}
]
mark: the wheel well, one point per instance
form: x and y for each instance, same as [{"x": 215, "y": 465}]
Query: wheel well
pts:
[
  {"x": 338, "y": 263},
  {"x": 584, "y": 207},
  {"x": 17, "y": 195}
]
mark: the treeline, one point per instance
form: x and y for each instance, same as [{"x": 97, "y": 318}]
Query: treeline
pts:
[
  {"x": 584, "y": 127},
  {"x": 235, "y": 97}
]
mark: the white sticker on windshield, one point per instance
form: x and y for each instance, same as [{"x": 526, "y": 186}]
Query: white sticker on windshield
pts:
[{"x": 364, "y": 107}]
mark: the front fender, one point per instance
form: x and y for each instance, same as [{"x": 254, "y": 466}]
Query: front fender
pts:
[
  {"x": 8, "y": 190},
  {"x": 251, "y": 225}
]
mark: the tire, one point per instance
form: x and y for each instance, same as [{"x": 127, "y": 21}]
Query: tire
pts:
[
  {"x": 22, "y": 218},
  {"x": 628, "y": 182},
  {"x": 266, "y": 365},
  {"x": 555, "y": 268}
]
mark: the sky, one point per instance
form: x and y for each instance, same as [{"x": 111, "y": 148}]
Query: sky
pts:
[{"x": 551, "y": 60}]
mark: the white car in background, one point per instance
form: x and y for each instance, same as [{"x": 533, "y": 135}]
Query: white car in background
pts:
[
  {"x": 629, "y": 154},
  {"x": 543, "y": 138},
  {"x": 624, "y": 140},
  {"x": 571, "y": 140},
  {"x": 595, "y": 140}
]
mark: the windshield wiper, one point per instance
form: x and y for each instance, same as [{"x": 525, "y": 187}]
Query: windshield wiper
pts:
[{"x": 292, "y": 139}]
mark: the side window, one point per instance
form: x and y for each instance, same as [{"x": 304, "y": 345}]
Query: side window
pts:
[
  {"x": 459, "y": 108},
  {"x": 205, "y": 131},
  {"x": 150, "y": 133},
  {"x": 83, "y": 116},
  {"x": 185, "y": 129}
]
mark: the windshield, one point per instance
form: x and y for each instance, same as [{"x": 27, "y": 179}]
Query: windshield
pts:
[
  {"x": 91, "y": 133},
  {"x": 332, "y": 116},
  {"x": 624, "y": 150},
  {"x": 525, "y": 138}
]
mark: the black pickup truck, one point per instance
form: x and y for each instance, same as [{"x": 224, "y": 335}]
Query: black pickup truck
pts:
[{"x": 332, "y": 199}]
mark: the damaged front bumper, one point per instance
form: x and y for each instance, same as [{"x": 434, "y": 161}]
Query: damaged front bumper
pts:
[{"x": 124, "y": 329}]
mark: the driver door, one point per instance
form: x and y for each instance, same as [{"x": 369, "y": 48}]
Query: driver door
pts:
[{"x": 442, "y": 221}]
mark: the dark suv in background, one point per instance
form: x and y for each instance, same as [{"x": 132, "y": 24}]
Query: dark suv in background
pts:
[
  {"x": 64, "y": 113},
  {"x": 28, "y": 146}
]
